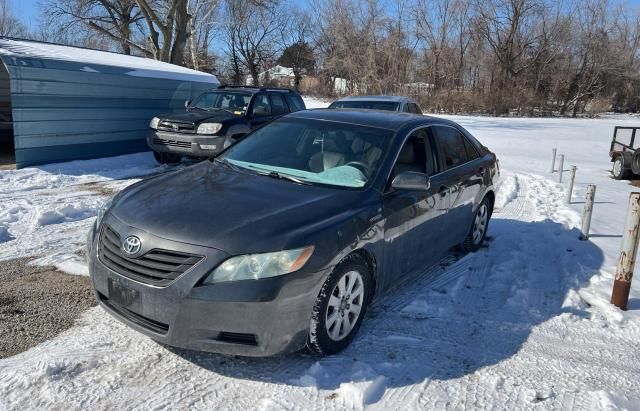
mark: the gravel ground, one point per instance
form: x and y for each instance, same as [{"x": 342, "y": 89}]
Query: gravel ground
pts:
[{"x": 37, "y": 303}]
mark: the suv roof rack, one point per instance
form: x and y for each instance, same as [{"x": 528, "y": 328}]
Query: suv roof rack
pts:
[{"x": 260, "y": 88}]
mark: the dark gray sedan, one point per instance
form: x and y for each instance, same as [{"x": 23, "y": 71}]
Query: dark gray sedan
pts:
[{"x": 284, "y": 239}]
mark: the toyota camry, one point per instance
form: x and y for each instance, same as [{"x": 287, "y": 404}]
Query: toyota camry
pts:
[{"x": 282, "y": 241}]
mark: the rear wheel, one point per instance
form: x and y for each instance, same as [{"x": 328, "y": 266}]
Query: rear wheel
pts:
[
  {"x": 167, "y": 158},
  {"x": 479, "y": 226},
  {"x": 618, "y": 170},
  {"x": 340, "y": 306}
]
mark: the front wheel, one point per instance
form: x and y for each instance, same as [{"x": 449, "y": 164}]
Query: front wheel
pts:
[
  {"x": 340, "y": 306},
  {"x": 479, "y": 226}
]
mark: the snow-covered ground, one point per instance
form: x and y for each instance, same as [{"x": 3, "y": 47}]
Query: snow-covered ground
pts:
[{"x": 524, "y": 323}]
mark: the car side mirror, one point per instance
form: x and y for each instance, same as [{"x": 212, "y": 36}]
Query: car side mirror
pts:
[
  {"x": 411, "y": 180},
  {"x": 187, "y": 103}
]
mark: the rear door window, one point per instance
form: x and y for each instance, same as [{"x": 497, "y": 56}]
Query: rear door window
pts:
[
  {"x": 278, "y": 106},
  {"x": 452, "y": 146},
  {"x": 295, "y": 102}
]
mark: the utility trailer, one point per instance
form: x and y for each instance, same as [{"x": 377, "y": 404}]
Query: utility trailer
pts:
[{"x": 625, "y": 152}]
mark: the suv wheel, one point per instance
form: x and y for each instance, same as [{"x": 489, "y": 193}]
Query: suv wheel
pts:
[
  {"x": 479, "y": 226},
  {"x": 340, "y": 306},
  {"x": 618, "y": 170},
  {"x": 167, "y": 158}
]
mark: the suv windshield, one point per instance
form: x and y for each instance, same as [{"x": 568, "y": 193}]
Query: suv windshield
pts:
[
  {"x": 223, "y": 100},
  {"x": 313, "y": 151},
  {"x": 369, "y": 105}
]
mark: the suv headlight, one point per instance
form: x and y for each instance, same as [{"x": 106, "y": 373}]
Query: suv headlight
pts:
[
  {"x": 209, "y": 128},
  {"x": 154, "y": 123},
  {"x": 256, "y": 266}
]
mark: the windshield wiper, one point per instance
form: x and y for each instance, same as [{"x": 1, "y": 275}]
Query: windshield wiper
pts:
[
  {"x": 275, "y": 174},
  {"x": 227, "y": 163}
]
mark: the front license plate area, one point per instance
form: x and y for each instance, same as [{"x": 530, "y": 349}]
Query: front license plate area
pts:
[{"x": 124, "y": 296}]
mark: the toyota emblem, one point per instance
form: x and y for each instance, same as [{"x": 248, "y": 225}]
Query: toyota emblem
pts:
[{"x": 131, "y": 245}]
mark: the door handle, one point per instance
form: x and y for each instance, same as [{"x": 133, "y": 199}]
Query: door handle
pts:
[{"x": 443, "y": 190}]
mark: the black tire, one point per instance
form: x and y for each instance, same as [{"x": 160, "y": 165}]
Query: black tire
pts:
[
  {"x": 618, "y": 170},
  {"x": 472, "y": 242},
  {"x": 635, "y": 163},
  {"x": 320, "y": 341},
  {"x": 167, "y": 158}
]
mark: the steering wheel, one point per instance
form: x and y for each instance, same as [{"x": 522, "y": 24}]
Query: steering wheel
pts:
[{"x": 364, "y": 168}]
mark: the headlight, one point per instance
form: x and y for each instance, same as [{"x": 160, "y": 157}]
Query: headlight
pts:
[
  {"x": 154, "y": 123},
  {"x": 209, "y": 128},
  {"x": 103, "y": 210},
  {"x": 256, "y": 266}
]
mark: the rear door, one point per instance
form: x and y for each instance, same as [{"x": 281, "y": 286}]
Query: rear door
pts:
[{"x": 463, "y": 175}]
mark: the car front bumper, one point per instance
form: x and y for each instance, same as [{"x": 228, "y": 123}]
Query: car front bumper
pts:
[
  {"x": 249, "y": 318},
  {"x": 185, "y": 144}
]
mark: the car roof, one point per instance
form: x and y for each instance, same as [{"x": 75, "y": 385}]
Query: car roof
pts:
[
  {"x": 254, "y": 90},
  {"x": 390, "y": 120},
  {"x": 396, "y": 99}
]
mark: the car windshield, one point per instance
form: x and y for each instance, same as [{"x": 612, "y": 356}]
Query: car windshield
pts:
[
  {"x": 235, "y": 102},
  {"x": 369, "y": 105},
  {"x": 313, "y": 152}
]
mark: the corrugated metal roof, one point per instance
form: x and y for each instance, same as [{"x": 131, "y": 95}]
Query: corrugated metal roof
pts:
[{"x": 71, "y": 103}]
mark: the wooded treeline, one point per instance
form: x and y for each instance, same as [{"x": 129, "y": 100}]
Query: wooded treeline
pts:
[{"x": 523, "y": 57}]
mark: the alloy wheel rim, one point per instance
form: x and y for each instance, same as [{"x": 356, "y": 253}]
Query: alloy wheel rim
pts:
[
  {"x": 345, "y": 305},
  {"x": 480, "y": 224},
  {"x": 617, "y": 167}
]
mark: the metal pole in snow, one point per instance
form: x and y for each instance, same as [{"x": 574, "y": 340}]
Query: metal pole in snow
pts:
[
  {"x": 553, "y": 163},
  {"x": 571, "y": 181},
  {"x": 627, "y": 260},
  {"x": 586, "y": 212},
  {"x": 560, "y": 169}
]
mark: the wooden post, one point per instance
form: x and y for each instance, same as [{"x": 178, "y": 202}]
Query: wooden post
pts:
[
  {"x": 560, "y": 169},
  {"x": 627, "y": 260},
  {"x": 572, "y": 179},
  {"x": 553, "y": 162},
  {"x": 586, "y": 212}
]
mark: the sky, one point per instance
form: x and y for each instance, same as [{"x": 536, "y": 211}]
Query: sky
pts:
[{"x": 28, "y": 10}]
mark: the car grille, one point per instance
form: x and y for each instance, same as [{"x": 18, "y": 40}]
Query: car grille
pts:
[
  {"x": 156, "y": 267},
  {"x": 174, "y": 143},
  {"x": 176, "y": 127}
]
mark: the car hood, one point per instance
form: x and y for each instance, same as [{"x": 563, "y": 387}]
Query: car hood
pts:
[
  {"x": 196, "y": 116},
  {"x": 238, "y": 212}
]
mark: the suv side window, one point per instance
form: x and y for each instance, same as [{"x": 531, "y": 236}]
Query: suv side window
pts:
[
  {"x": 278, "y": 106},
  {"x": 413, "y": 108},
  {"x": 452, "y": 145},
  {"x": 261, "y": 106},
  {"x": 295, "y": 102}
]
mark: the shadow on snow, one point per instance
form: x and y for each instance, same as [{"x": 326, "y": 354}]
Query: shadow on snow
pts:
[{"x": 449, "y": 322}]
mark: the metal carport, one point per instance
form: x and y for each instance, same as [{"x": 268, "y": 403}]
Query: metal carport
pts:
[{"x": 60, "y": 103}]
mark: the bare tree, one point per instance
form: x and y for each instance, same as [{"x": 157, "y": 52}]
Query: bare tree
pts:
[
  {"x": 10, "y": 25},
  {"x": 111, "y": 19}
]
